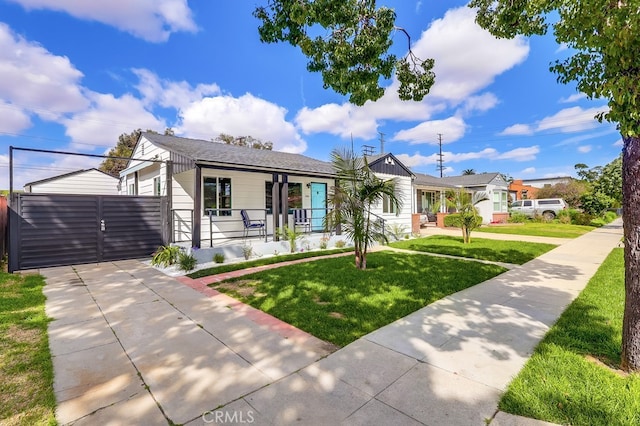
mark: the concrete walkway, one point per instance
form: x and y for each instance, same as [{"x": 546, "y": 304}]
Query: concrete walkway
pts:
[{"x": 132, "y": 346}]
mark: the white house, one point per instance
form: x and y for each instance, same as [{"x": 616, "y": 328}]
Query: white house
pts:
[
  {"x": 495, "y": 208},
  {"x": 88, "y": 182},
  {"x": 209, "y": 184},
  {"x": 546, "y": 182}
]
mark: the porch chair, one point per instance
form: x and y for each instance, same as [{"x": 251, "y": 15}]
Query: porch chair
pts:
[
  {"x": 300, "y": 219},
  {"x": 257, "y": 224}
]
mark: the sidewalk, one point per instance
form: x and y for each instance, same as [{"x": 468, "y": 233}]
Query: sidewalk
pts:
[{"x": 131, "y": 346}]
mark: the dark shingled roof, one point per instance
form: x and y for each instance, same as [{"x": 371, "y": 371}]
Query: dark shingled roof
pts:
[
  {"x": 207, "y": 151},
  {"x": 480, "y": 179},
  {"x": 428, "y": 180}
]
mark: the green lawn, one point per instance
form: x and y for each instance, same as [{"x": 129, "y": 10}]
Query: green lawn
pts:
[
  {"x": 538, "y": 229},
  {"x": 26, "y": 372},
  {"x": 561, "y": 383},
  {"x": 222, "y": 268},
  {"x": 517, "y": 252},
  {"x": 332, "y": 300}
]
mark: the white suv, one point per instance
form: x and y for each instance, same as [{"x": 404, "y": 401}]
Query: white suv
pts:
[{"x": 545, "y": 207}]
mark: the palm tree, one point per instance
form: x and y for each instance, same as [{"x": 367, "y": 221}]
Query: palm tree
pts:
[
  {"x": 356, "y": 191},
  {"x": 467, "y": 217},
  {"x": 467, "y": 172}
]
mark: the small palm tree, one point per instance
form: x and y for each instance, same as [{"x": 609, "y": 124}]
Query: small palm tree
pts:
[
  {"x": 467, "y": 217},
  {"x": 467, "y": 172},
  {"x": 356, "y": 191}
]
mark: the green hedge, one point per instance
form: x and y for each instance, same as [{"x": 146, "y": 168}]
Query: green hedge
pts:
[{"x": 453, "y": 220}]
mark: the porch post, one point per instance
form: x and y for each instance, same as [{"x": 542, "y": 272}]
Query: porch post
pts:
[
  {"x": 197, "y": 208},
  {"x": 169, "y": 194},
  {"x": 285, "y": 200},
  {"x": 275, "y": 205}
]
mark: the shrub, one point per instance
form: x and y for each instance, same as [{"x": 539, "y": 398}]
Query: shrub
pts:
[
  {"x": 397, "y": 230},
  {"x": 247, "y": 251},
  {"x": 580, "y": 218},
  {"x": 187, "y": 262},
  {"x": 324, "y": 242},
  {"x": 291, "y": 235},
  {"x": 564, "y": 217},
  {"x": 165, "y": 256},
  {"x": 451, "y": 220},
  {"x": 340, "y": 244},
  {"x": 218, "y": 258},
  {"x": 595, "y": 203},
  {"x": 517, "y": 217}
]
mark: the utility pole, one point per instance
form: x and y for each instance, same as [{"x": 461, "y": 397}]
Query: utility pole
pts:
[
  {"x": 381, "y": 142},
  {"x": 440, "y": 164},
  {"x": 368, "y": 150}
]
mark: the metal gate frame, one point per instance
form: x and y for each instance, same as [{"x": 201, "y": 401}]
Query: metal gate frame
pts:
[{"x": 48, "y": 230}]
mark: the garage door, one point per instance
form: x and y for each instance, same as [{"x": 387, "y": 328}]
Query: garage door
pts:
[{"x": 55, "y": 230}]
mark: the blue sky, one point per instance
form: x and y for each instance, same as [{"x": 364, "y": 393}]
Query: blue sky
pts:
[{"x": 75, "y": 74}]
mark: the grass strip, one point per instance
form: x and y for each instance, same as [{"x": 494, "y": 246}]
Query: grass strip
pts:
[
  {"x": 222, "y": 268},
  {"x": 334, "y": 301},
  {"x": 539, "y": 229},
  {"x": 516, "y": 252},
  {"x": 26, "y": 371},
  {"x": 572, "y": 377}
]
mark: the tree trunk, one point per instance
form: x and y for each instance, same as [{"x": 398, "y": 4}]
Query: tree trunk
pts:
[{"x": 631, "y": 219}]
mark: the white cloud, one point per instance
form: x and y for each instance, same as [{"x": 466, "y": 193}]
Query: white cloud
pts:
[
  {"x": 481, "y": 103},
  {"x": 528, "y": 171},
  {"x": 246, "y": 115},
  {"x": 459, "y": 75},
  {"x": 569, "y": 120},
  {"x": 109, "y": 117},
  {"x": 12, "y": 118},
  {"x": 37, "y": 81},
  {"x": 170, "y": 94},
  {"x": 573, "y": 98},
  {"x": 452, "y": 129},
  {"x": 584, "y": 149},
  {"x": 342, "y": 120},
  {"x": 520, "y": 154},
  {"x": 151, "y": 20},
  {"x": 517, "y": 129},
  {"x": 619, "y": 142}
]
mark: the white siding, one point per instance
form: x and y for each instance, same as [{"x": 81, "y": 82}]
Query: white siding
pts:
[
  {"x": 91, "y": 182},
  {"x": 404, "y": 191}
]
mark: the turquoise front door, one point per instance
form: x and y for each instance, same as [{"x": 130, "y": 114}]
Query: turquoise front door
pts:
[{"x": 318, "y": 205}]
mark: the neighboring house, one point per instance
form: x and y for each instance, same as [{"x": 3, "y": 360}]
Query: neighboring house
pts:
[
  {"x": 209, "y": 183},
  {"x": 519, "y": 191},
  {"x": 546, "y": 182},
  {"x": 495, "y": 208},
  {"x": 387, "y": 166},
  {"x": 88, "y": 182}
]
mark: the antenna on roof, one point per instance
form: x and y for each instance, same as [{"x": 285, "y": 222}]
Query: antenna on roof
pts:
[
  {"x": 440, "y": 161},
  {"x": 368, "y": 150}
]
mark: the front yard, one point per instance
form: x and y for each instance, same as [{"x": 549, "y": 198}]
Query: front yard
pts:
[
  {"x": 516, "y": 252},
  {"x": 539, "y": 229},
  {"x": 334, "y": 301}
]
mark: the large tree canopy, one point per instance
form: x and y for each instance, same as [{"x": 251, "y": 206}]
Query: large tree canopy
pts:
[
  {"x": 603, "y": 37},
  {"x": 353, "y": 53}
]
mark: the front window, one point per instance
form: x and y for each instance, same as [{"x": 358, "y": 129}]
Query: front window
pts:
[
  {"x": 157, "y": 189},
  {"x": 387, "y": 205},
  {"x": 500, "y": 201},
  {"x": 217, "y": 195},
  {"x": 294, "y": 196}
]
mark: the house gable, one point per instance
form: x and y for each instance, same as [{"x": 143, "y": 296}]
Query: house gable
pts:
[{"x": 388, "y": 164}]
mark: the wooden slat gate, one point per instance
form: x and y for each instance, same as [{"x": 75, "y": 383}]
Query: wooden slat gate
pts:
[{"x": 58, "y": 229}]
